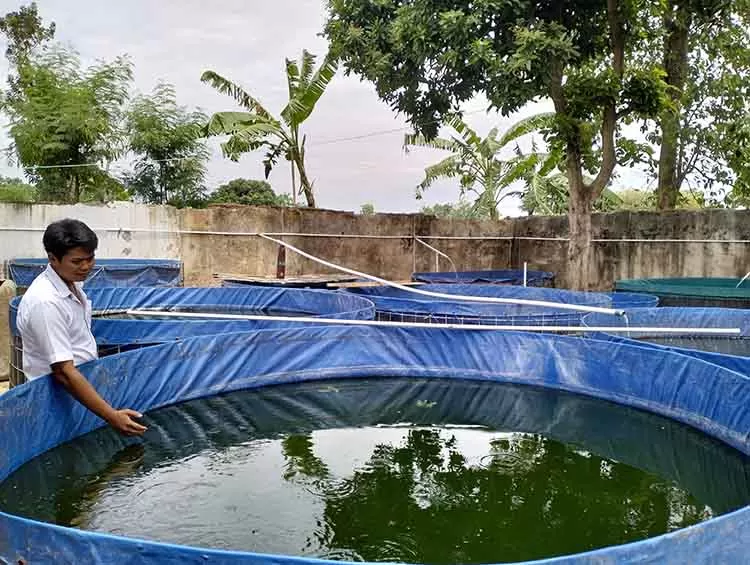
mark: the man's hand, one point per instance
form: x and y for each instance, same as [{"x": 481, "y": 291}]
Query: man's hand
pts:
[
  {"x": 123, "y": 422},
  {"x": 76, "y": 384}
]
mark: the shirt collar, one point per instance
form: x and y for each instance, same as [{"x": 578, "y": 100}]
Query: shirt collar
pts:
[{"x": 60, "y": 285}]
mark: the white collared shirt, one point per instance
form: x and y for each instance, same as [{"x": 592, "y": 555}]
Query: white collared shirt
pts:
[{"x": 54, "y": 325}]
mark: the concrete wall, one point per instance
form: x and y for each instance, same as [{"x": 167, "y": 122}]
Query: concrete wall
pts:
[
  {"x": 728, "y": 255},
  {"x": 135, "y": 230},
  {"x": 392, "y": 257},
  {"x": 22, "y": 225}
]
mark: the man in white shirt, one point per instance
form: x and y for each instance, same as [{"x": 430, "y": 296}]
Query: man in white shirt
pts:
[{"x": 54, "y": 320}]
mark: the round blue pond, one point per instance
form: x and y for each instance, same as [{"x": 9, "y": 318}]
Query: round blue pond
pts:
[{"x": 383, "y": 444}]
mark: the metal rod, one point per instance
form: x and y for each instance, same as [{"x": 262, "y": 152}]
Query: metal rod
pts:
[{"x": 375, "y": 323}]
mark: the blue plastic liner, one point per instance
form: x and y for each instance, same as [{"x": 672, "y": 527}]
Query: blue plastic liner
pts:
[
  {"x": 401, "y": 305},
  {"x": 113, "y": 331},
  {"x": 108, "y": 272},
  {"x": 699, "y": 346},
  {"x": 508, "y": 276},
  {"x": 40, "y": 415}
]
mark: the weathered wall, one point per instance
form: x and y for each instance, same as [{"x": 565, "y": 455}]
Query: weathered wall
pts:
[
  {"x": 392, "y": 257},
  {"x": 727, "y": 255},
  {"x": 135, "y": 230}
]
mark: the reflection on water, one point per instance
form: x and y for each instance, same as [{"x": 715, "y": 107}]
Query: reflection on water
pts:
[{"x": 424, "y": 471}]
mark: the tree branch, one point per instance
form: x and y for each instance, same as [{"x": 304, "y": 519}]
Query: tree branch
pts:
[
  {"x": 609, "y": 118},
  {"x": 609, "y": 157},
  {"x": 617, "y": 36}
]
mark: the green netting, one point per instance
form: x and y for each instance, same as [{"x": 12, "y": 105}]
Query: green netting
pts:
[{"x": 693, "y": 291}]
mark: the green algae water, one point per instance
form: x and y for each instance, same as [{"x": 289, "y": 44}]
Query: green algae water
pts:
[{"x": 414, "y": 470}]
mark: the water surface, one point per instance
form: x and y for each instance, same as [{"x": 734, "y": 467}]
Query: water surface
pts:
[{"x": 422, "y": 471}]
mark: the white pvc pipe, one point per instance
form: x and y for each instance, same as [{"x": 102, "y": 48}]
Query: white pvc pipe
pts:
[
  {"x": 438, "y": 252},
  {"x": 339, "y": 322},
  {"x": 456, "y": 297},
  {"x": 524, "y": 272}
]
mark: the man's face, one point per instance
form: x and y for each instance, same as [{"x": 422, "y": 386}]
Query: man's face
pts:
[{"x": 75, "y": 265}]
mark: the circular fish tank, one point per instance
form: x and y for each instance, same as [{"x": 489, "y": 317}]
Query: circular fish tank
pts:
[
  {"x": 693, "y": 291},
  {"x": 730, "y": 351},
  {"x": 352, "y": 444},
  {"x": 503, "y": 277},
  {"x": 399, "y": 305},
  {"x": 107, "y": 272},
  {"x": 117, "y": 329}
]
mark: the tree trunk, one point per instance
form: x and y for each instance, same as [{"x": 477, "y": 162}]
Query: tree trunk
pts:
[
  {"x": 306, "y": 186},
  {"x": 579, "y": 244},
  {"x": 76, "y": 189},
  {"x": 677, "y": 22}
]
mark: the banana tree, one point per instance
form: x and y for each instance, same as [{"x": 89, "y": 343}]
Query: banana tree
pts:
[
  {"x": 256, "y": 128},
  {"x": 477, "y": 162}
]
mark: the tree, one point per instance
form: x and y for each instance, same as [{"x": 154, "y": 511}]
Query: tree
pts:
[
  {"x": 15, "y": 190},
  {"x": 427, "y": 56},
  {"x": 256, "y": 128},
  {"x": 248, "y": 192},
  {"x": 476, "y": 162},
  {"x": 705, "y": 54},
  {"x": 65, "y": 124},
  {"x": 166, "y": 138},
  {"x": 24, "y": 32},
  {"x": 367, "y": 209}
]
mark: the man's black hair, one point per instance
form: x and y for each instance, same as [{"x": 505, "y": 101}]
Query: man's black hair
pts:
[{"x": 64, "y": 235}]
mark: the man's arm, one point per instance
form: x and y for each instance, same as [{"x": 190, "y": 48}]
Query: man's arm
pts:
[{"x": 76, "y": 384}]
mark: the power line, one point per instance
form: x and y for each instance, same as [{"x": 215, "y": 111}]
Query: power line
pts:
[
  {"x": 383, "y": 132},
  {"x": 318, "y": 144}
]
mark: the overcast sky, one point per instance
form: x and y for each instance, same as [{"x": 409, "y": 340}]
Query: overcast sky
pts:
[{"x": 247, "y": 41}]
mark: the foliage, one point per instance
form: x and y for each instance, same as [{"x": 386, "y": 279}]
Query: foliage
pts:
[
  {"x": 704, "y": 47},
  {"x": 552, "y": 199},
  {"x": 735, "y": 145},
  {"x": 476, "y": 161},
  {"x": 248, "y": 192},
  {"x": 367, "y": 209},
  {"x": 15, "y": 190},
  {"x": 462, "y": 210},
  {"x": 548, "y": 196},
  {"x": 65, "y": 124},
  {"x": 426, "y": 57},
  {"x": 166, "y": 138},
  {"x": 25, "y": 31},
  {"x": 256, "y": 128}
]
